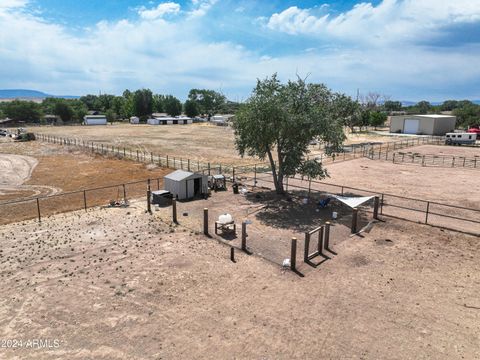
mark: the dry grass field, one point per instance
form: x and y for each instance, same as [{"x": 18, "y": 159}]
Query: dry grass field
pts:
[
  {"x": 122, "y": 284},
  {"x": 203, "y": 142}
]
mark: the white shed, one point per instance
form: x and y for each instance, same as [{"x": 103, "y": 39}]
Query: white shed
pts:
[
  {"x": 153, "y": 121},
  {"x": 134, "y": 120},
  {"x": 95, "y": 120},
  {"x": 185, "y": 185}
]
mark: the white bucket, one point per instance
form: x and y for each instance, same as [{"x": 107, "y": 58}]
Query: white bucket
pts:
[
  {"x": 305, "y": 201},
  {"x": 334, "y": 215}
]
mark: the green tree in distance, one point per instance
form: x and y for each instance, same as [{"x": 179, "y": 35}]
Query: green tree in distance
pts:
[{"x": 278, "y": 122}]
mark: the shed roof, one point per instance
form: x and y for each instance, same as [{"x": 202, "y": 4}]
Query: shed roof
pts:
[
  {"x": 435, "y": 116},
  {"x": 180, "y": 175}
]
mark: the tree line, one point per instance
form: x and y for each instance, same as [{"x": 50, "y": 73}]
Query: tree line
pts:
[{"x": 141, "y": 103}]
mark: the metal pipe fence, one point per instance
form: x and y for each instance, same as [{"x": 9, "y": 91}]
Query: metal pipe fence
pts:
[{"x": 44, "y": 206}]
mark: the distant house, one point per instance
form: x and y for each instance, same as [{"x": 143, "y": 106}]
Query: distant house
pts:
[
  {"x": 134, "y": 120},
  {"x": 161, "y": 119},
  {"x": 434, "y": 124},
  {"x": 95, "y": 120}
]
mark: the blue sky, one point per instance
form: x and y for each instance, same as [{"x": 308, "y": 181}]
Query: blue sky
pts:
[{"x": 403, "y": 49}]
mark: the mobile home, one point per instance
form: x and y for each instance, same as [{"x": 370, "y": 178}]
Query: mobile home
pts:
[
  {"x": 460, "y": 138},
  {"x": 95, "y": 120}
]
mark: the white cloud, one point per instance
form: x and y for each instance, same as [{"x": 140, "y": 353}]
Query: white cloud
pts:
[
  {"x": 173, "y": 57},
  {"x": 390, "y": 21},
  {"x": 159, "y": 11},
  {"x": 201, "y": 7}
]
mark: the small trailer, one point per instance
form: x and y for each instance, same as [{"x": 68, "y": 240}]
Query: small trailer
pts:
[{"x": 460, "y": 138}]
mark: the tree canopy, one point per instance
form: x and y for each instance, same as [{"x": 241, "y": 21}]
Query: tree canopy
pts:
[
  {"x": 209, "y": 102},
  {"x": 278, "y": 122}
]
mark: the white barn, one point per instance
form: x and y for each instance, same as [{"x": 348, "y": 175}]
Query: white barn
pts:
[
  {"x": 166, "y": 120},
  {"x": 95, "y": 120},
  {"x": 186, "y": 185}
]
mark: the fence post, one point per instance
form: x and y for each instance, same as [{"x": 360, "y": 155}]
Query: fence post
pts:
[
  {"x": 426, "y": 212},
  {"x": 188, "y": 164},
  {"x": 167, "y": 162},
  {"x": 320, "y": 240},
  {"x": 151, "y": 158},
  {"x": 38, "y": 210},
  {"x": 309, "y": 186},
  {"x": 208, "y": 169},
  {"x": 244, "y": 236},
  {"x": 293, "y": 255},
  {"x": 381, "y": 205},
  {"x": 375, "y": 207},
  {"x": 205, "y": 221},
  {"x": 124, "y": 152},
  {"x": 353, "y": 227},
  {"x": 124, "y": 193},
  {"x": 453, "y": 161},
  {"x": 174, "y": 210},
  {"x": 306, "y": 247},
  {"x": 393, "y": 160},
  {"x": 149, "y": 193},
  {"x": 85, "y": 199},
  {"x": 233, "y": 173},
  {"x": 255, "y": 175},
  {"x": 327, "y": 236},
  {"x": 138, "y": 159}
]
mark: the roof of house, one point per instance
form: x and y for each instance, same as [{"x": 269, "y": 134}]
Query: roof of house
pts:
[
  {"x": 180, "y": 175},
  {"x": 435, "y": 116}
]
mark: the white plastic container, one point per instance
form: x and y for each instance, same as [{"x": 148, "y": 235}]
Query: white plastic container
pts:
[{"x": 334, "y": 215}]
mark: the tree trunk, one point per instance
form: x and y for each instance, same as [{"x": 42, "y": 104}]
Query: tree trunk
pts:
[{"x": 277, "y": 177}]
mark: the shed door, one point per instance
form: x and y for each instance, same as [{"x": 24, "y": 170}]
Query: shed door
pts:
[{"x": 411, "y": 126}]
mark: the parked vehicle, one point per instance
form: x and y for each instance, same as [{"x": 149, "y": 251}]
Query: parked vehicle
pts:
[
  {"x": 474, "y": 129},
  {"x": 3, "y": 132},
  {"x": 460, "y": 138}
]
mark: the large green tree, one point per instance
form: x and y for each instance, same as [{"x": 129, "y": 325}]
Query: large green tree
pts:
[
  {"x": 278, "y": 122},
  {"x": 173, "y": 106},
  {"x": 20, "y": 110},
  {"x": 143, "y": 102},
  {"x": 209, "y": 102},
  {"x": 191, "y": 108}
]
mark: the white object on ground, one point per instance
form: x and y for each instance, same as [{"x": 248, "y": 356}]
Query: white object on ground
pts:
[
  {"x": 225, "y": 219},
  {"x": 334, "y": 215},
  {"x": 286, "y": 263},
  {"x": 353, "y": 202}
]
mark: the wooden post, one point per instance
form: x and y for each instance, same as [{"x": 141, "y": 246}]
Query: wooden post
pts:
[
  {"x": 232, "y": 254},
  {"x": 85, "y": 199},
  {"x": 38, "y": 210},
  {"x": 309, "y": 186},
  {"x": 138, "y": 159},
  {"x": 149, "y": 193},
  {"x": 151, "y": 158},
  {"x": 293, "y": 255},
  {"x": 353, "y": 228},
  {"x": 188, "y": 164},
  {"x": 124, "y": 152},
  {"x": 255, "y": 175},
  {"x": 124, "y": 194},
  {"x": 205, "y": 221},
  {"x": 426, "y": 212},
  {"x": 208, "y": 169},
  {"x": 233, "y": 173},
  {"x": 326, "y": 236},
  {"x": 306, "y": 247},
  {"x": 167, "y": 162},
  {"x": 244, "y": 236},
  {"x": 376, "y": 203},
  {"x": 174, "y": 210},
  {"x": 320, "y": 240},
  {"x": 393, "y": 160}
]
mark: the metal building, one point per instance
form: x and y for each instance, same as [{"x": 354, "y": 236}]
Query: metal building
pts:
[
  {"x": 422, "y": 124},
  {"x": 186, "y": 185}
]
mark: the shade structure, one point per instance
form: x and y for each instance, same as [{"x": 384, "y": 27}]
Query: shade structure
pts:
[{"x": 353, "y": 202}]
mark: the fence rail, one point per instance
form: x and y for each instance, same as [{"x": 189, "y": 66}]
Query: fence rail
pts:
[
  {"x": 449, "y": 216},
  {"x": 40, "y": 207}
]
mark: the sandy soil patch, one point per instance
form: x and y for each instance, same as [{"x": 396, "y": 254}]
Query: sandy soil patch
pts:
[{"x": 121, "y": 284}]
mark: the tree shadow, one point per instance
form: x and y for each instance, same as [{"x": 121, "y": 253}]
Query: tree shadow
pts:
[{"x": 290, "y": 212}]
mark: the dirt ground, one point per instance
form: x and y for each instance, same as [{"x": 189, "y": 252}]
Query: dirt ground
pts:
[
  {"x": 38, "y": 169},
  {"x": 203, "y": 142},
  {"x": 451, "y": 186},
  {"x": 460, "y": 151},
  {"x": 122, "y": 284}
]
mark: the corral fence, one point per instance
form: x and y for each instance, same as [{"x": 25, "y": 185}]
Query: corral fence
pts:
[
  {"x": 448, "y": 161},
  {"x": 350, "y": 152},
  {"x": 452, "y": 217},
  {"x": 45, "y": 206}
]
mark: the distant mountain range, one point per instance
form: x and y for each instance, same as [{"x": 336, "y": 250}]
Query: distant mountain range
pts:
[{"x": 30, "y": 94}]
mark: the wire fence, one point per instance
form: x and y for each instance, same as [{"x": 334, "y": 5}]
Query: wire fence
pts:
[
  {"x": 447, "y": 161},
  {"x": 45, "y": 206},
  {"x": 449, "y": 216}
]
